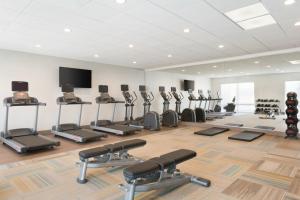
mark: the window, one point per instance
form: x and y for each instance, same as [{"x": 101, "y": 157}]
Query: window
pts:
[
  {"x": 292, "y": 86},
  {"x": 244, "y": 94}
]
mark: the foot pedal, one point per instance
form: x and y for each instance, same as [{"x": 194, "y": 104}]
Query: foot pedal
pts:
[{"x": 201, "y": 181}]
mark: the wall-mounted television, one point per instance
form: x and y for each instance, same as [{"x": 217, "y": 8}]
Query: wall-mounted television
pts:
[
  {"x": 78, "y": 78},
  {"x": 188, "y": 85}
]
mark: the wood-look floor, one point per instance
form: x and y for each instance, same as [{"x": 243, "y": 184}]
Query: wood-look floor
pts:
[{"x": 265, "y": 169}]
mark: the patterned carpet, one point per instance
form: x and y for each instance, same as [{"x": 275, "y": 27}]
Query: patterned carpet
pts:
[{"x": 267, "y": 169}]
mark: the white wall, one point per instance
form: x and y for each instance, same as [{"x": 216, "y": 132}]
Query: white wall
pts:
[
  {"x": 42, "y": 74},
  {"x": 266, "y": 86},
  {"x": 155, "y": 79}
]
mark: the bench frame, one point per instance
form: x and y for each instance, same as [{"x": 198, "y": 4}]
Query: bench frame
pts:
[
  {"x": 169, "y": 178},
  {"x": 116, "y": 159}
]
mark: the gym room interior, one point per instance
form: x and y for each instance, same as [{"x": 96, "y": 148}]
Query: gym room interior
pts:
[{"x": 149, "y": 99}]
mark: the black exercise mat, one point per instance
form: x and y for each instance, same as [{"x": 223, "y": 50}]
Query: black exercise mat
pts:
[
  {"x": 212, "y": 131},
  {"x": 265, "y": 127},
  {"x": 235, "y": 125},
  {"x": 247, "y": 136}
]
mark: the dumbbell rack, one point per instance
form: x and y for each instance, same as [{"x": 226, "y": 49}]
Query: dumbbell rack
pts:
[
  {"x": 262, "y": 106},
  {"x": 291, "y": 112}
]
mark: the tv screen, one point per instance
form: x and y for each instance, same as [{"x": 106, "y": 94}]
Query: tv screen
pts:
[
  {"x": 78, "y": 78},
  {"x": 188, "y": 85}
]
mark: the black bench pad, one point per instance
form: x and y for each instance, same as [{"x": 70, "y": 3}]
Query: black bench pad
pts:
[
  {"x": 154, "y": 165},
  {"x": 111, "y": 148}
]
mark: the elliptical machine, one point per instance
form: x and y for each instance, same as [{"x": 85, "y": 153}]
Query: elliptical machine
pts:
[
  {"x": 187, "y": 115},
  {"x": 200, "y": 113},
  {"x": 169, "y": 117},
  {"x": 150, "y": 120}
]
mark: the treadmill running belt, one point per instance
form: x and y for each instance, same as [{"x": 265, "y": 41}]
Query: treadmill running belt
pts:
[
  {"x": 87, "y": 134},
  {"x": 235, "y": 125},
  {"x": 32, "y": 142},
  {"x": 269, "y": 128},
  {"x": 247, "y": 136},
  {"x": 212, "y": 131}
]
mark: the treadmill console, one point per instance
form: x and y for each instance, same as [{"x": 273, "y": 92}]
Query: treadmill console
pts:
[
  {"x": 124, "y": 88},
  {"x": 103, "y": 88},
  {"x": 173, "y": 89},
  {"x": 142, "y": 88},
  {"x": 19, "y": 86},
  {"x": 161, "y": 88}
]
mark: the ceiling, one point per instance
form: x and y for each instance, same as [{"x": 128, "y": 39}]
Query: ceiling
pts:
[
  {"x": 153, "y": 27},
  {"x": 274, "y": 64}
]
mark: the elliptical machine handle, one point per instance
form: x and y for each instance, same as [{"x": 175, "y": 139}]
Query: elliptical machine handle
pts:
[
  {"x": 134, "y": 99},
  {"x": 151, "y": 99},
  {"x": 181, "y": 96}
]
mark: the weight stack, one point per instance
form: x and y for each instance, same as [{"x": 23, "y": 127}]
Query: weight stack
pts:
[{"x": 291, "y": 112}]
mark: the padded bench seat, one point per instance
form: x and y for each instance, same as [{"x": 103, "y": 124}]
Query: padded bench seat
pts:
[
  {"x": 151, "y": 168},
  {"x": 111, "y": 148}
]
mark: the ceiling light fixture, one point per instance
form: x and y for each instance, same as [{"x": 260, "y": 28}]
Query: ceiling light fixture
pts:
[
  {"x": 221, "y": 46},
  {"x": 289, "y": 2},
  {"x": 268, "y": 66},
  {"x": 199, "y": 72},
  {"x": 256, "y": 62},
  {"x": 295, "y": 62},
  {"x": 215, "y": 66},
  {"x": 120, "y": 1},
  {"x": 67, "y": 30},
  {"x": 96, "y": 55},
  {"x": 297, "y": 23},
  {"x": 250, "y": 17},
  {"x": 170, "y": 55},
  {"x": 134, "y": 62},
  {"x": 183, "y": 70},
  {"x": 186, "y": 30},
  {"x": 130, "y": 46},
  {"x": 38, "y": 46}
]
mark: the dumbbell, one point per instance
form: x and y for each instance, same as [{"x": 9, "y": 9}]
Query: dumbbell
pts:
[
  {"x": 291, "y": 95},
  {"x": 291, "y": 111},
  {"x": 292, "y": 131},
  {"x": 291, "y": 120},
  {"x": 291, "y": 102}
]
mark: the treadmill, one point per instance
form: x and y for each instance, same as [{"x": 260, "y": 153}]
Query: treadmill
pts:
[
  {"x": 109, "y": 125},
  {"x": 70, "y": 130},
  {"x": 24, "y": 140},
  {"x": 209, "y": 114}
]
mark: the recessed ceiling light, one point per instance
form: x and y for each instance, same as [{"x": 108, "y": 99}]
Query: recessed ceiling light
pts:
[
  {"x": 134, "y": 62},
  {"x": 130, "y": 46},
  {"x": 295, "y": 62},
  {"x": 289, "y": 2},
  {"x": 67, "y": 30},
  {"x": 247, "y": 12},
  {"x": 221, "y": 46},
  {"x": 257, "y": 22},
  {"x": 96, "y": 55},
  {"x": 183, "y": 70},
  {"x": 199, "y": 72},
  {"x": 256, "y": 62},
  {"x": 215, "y": 66},
  {"x": 170, "y": 55},
  {"x": 186, "y": 30},
  {"x": 120, "y": 1},
  {"x": 268, "y": 66},
  {"x": 38, "y": 46},
  {"x": 297, "y": 23}
]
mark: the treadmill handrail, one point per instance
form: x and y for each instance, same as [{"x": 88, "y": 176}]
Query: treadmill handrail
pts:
[
  {"x": 25, "y": 104},
  {"x": 74, "y": 103},
  {"x": 110, "y": 102}
]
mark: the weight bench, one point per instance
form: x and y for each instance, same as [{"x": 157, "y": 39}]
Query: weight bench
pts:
[
  {"x": 158, "y": 173},
  {"x": 111, "y": 155}
]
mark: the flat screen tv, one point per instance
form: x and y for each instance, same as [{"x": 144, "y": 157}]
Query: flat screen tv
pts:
[
  {"x": 78, "y": 78},
  {"x": 188, "y": 85}
]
